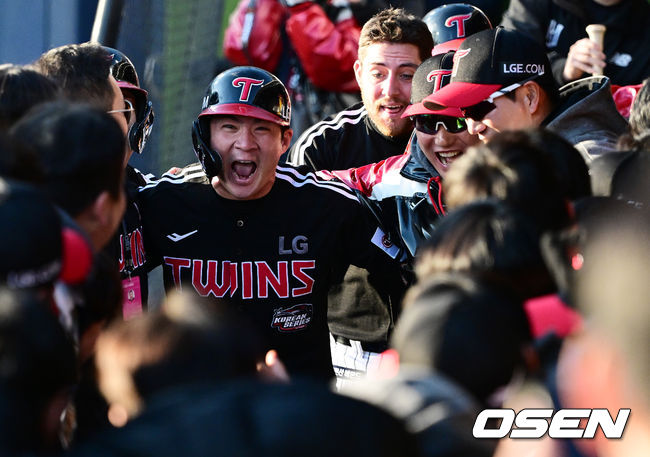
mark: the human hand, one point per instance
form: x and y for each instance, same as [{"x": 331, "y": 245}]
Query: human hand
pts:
[{"x": 585, "y": 56}]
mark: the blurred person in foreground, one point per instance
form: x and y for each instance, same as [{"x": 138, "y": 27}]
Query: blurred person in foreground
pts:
[{"x": 182, "y": 380}]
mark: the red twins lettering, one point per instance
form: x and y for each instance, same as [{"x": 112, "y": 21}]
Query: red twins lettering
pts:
[
  {"x": 257, "y": 279},
  {"x": 460, "y": 23},
  {"x": 137, "y": 250},
  {"x": 246, "y": 84}
]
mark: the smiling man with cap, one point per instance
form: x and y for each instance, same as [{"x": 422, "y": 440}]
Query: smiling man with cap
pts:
[{"x": 502, "y": 80}]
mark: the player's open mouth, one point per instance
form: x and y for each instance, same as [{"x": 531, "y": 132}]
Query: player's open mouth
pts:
[
  {"x": 447, "y": 157},
  {"x": 243, "y": 170},
  {"x": 393, "y": 109}
]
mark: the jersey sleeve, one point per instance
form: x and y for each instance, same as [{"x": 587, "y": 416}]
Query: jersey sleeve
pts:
[
  {"x": 365, "y": 178},
  {"x": 314, "y": 149}
]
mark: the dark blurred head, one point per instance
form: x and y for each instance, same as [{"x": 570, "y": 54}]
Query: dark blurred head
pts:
[
  {"x": 31, "y": 242},
  {"x": 37, "y": 372},
  {"x": 511, "y": 168},
  {"x": 82, "y": 72},
  {"x": 18, "y": 161},
  {"x": 491, "y": 240},
  {"x": 184, "y": 343},
  {"x": 466, "y": 331},
  {"x": 82, "y": 152},
  {"x": 569, "y": 167},
  {"x": 21, "y": 88}
]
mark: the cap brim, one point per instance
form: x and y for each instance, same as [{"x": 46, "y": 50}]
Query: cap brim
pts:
[
  {"x": 129, "y": 86},
  {"x": 447, "y": 46},
  {"x": 418, "y": 108},
  {"x": 236, "y": 109},
  {"x": 459, "y": 95}
]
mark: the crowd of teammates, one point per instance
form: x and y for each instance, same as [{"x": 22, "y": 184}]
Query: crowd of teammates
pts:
[{"x": 472, "y": 234}]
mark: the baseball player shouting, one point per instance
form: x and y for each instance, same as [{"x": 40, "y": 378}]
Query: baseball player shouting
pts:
[{"x": 266, "y": 240}]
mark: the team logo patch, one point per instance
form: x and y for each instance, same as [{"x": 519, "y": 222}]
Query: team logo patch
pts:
[
  {"x": 246, "y": 85},
  {"x": 293, "y": 318},
  {"x": 459, "y": 22},
  {"x": 437, "y": 77}
]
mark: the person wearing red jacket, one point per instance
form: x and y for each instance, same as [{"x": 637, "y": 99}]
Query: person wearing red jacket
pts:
[{"x": 310, "y": 45}]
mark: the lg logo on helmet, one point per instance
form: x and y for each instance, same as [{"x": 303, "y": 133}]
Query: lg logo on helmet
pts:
[
  {"x": 460, "y": 23},
  {"x": 565, "y": 423},
  {"x": 246, "y": 84}
]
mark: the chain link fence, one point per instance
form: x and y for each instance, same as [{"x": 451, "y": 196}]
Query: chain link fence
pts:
[{"x": 176, "y": 48}]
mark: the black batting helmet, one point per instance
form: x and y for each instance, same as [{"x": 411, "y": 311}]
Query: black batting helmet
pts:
[
  {"x": 450, "y": 24},
  {"x": 239, "y": 91},
  {"x": 127, "y": 78}
]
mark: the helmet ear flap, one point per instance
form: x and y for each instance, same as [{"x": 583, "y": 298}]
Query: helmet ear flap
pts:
[
  {"x": 141, "y": 129},
  {"x": 209, "y": 158}
]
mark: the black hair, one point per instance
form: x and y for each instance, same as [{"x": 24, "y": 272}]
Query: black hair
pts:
[
  {"x": 18, "y": 161},
  {"x": 82, "y": 72},
  {"x": 81, "y": 149},
  {"x": 21, "y": 88}
]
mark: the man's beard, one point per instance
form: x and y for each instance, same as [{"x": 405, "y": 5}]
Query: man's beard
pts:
[{"x": 391, "y": 127}]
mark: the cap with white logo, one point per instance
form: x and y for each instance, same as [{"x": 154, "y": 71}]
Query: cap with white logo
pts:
[{"x": 488, "y": 61}]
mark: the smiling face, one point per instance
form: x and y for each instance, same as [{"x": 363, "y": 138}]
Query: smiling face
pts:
[
  {"x": 443, "y": 148},
  {"x": 250, "y": 149},
  {"x": 384, "y": 72},
  {"x": 508, "y": 115}
]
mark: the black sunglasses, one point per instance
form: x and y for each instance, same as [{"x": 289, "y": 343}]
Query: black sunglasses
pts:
[
  {"x": 478, "y": 111},
  {"x": 430, "y": 123}
]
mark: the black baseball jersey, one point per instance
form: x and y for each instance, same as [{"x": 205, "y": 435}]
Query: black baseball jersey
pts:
[
  {"x": 272, "y": 258},
  {"x": 347, "y": 139},
  {"x": 127, "y": 246}
]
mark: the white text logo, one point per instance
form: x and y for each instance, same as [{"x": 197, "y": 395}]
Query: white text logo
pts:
[{"x": 565, "y": 423}]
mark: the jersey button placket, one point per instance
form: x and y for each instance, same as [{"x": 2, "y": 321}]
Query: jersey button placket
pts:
[{"x": 239, "y": 223}]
